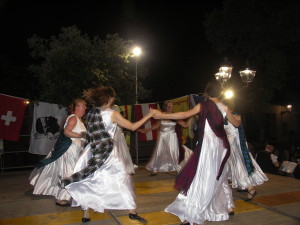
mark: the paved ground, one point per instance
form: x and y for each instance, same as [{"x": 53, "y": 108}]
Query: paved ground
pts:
[{"x": 277, "y": 202}]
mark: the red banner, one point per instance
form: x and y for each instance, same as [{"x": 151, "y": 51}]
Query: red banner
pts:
[
  {"x": 140, "y": 111},
  {"x": 12, "y": 111}
]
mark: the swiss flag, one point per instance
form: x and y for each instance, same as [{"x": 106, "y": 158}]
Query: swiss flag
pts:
[
  {"x": 140, "y": 111},
  {"x": 12, "y": 111}
]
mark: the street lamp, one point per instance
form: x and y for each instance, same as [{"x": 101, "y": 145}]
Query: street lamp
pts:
[
  {"x": 136, "y": 52},
  {"x": 247, "y": 75},
  {"x": 224, "y": 74}
]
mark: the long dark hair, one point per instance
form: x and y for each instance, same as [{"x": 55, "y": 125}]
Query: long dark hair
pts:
[
  {"x": 99, "y": 96},
  {"x": 213, "y": 89}
]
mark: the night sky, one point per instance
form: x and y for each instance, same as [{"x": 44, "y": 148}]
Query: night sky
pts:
[{"x": 171, "y": 34}]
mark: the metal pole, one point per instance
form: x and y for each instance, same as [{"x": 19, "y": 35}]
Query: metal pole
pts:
[{"x": 136, "y": 102}]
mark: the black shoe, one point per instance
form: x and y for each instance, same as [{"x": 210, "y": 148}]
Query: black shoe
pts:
[
  {"x": 252, "y": 195},
  {"x": 137, "y": 217},
  {"x": 85, "y": 219},
  {"x": 185, "y": 223},
  {"x": 153, "y": 174},
  {"x": 63, "y": 205},
  {"x": 231, "y": 213}
]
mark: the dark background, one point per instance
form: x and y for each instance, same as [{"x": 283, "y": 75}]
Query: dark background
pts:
[{"x": 171, "y": 34}]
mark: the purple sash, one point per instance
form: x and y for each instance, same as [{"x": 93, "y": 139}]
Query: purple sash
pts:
[{"x": 208, "y": 111}]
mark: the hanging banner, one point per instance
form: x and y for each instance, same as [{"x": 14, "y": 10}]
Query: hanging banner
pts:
[
  {"x": 12, "y": 110},
  {"x": 47, "y": 119},
  {"x": 140, "y": 111},
  {"x": 182, "y": 104}
]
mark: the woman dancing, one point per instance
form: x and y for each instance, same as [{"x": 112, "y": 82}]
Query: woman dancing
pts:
[
  {"x": 244, "y": 172},
  {"x": 62, "y": 159},
  {"x": 100, "y": 180},
  {"x": 204, "y": 190},
  {"x": 169, "y": 153}
]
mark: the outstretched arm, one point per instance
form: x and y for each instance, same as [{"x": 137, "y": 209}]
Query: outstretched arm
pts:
[
  {"x": 154, "y": 127},
  {"x": 178, "y": 115},
  {"x": 185, "y": 123},
  {"x": 121, "y": 121}
]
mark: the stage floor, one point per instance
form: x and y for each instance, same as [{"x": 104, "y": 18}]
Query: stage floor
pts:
[{"x": 277, "y": 202}]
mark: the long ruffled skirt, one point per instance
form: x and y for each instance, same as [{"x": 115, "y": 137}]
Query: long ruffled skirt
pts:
[
  {"x": 207, "y": 198},
  {"x": 45, "y": 179},
  {"x": 238, "y": 171},
  {"x": 109, "y": 187}
]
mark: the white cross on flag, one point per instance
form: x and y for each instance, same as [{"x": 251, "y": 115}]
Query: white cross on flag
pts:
[{"x": 12, "y": 111}]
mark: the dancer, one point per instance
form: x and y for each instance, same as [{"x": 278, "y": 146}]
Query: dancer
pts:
[
  {"x": 169, "y": 153},
  {"x": 122, "y": 148},
  {"x": 204, "y": 190},
  {"x": 62, "y": 159},
  {"x": 245, "y": 173},
  {"x": 100, "y": 180}
]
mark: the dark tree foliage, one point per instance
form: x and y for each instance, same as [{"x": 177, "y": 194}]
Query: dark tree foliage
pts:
[{"x": 68, "y": 64}]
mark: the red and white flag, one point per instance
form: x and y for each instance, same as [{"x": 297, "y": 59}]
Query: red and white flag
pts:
[
  {"x": 140, "y": 111},
  {"x": 12, "y": 111}
]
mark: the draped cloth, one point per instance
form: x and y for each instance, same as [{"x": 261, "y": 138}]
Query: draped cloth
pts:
[
  {"x": 101, "y": 145},
  {"x": 180, "y": 147},
  {"x": 245, "y": 151},
  {"x": 61, "y": 146},
  {"x": 210, "y": 112},
  {"x": 244, "y": 148}
]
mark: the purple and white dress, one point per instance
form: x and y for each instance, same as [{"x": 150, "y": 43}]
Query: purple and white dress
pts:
[{"x": 207, "y": 198}]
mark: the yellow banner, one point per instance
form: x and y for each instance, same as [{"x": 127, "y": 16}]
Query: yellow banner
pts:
[{"x": 179, "y": 105}]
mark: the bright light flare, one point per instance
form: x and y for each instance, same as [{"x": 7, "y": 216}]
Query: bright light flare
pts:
[
  {"x": 228, "y": 94},
  {"x": 137, "y": 51}
]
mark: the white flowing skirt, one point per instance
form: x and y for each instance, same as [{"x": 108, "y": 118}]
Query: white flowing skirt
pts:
[
  {"x": 187, "y": 154},
  {"x": 109, "y": 187},
  {"x": 45, "y": 179},
  {"x": 166, "y": 154},
  {"x": 123, "y": 152},
  {"x": 238, "y": 171},
  {"x": 207, "y": 197}
]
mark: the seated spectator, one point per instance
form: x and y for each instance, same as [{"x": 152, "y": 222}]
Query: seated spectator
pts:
[{"x": 267, "y": 160}]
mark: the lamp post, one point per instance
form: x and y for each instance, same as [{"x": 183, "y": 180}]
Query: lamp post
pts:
[
  {"x": 247, "y": 75},
  {"x": 224, "y": 74},
  {"x": 136, "y": 52}
]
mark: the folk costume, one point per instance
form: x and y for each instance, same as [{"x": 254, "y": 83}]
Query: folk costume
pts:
[
  {"x": 59, "y": 162},
  {"x": 100, "y": 180},
  {"x": 169, "y": 154},
  {"x": 205, "y": 192},
  {"x": 243, "y": 169}
]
